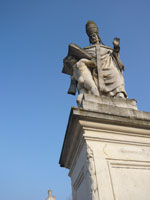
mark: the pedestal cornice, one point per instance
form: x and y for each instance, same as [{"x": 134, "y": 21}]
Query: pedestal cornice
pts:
[{"x": 111, "y": 118}]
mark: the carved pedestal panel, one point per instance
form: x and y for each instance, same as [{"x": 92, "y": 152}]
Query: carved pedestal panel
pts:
[{"x": 108, "y": 154}]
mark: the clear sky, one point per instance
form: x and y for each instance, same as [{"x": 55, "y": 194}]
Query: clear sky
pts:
[{"x": 34, "y": 104}]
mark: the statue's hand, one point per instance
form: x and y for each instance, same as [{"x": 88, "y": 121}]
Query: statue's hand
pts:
[{"x": 116, "y": 42}]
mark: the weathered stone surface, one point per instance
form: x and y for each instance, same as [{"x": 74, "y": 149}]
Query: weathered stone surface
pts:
[
  {"x": 96, "y": 69},
  {"x": 92, "y": 102},
  {"x": 107, "y": 153},
  {"x": 121, "y": 117}
]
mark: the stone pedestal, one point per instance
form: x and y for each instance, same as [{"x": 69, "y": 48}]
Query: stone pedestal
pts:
[{"x": 107, "y": 150}]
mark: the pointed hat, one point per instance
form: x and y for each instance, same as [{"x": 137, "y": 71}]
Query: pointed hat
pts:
[{"x": 91, "y": 27}]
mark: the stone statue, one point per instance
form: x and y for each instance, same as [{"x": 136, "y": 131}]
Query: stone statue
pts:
[
  {"x": 96, "y": 69},
  {"x": 50, "y": 197}
]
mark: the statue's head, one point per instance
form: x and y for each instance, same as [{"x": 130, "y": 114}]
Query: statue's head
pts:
[{"x": 92, "y": 32}]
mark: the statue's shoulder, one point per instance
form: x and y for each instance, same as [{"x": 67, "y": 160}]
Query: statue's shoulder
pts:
[
  {"x": 94, "y": 46},
  {"x": 106, "y": 47},
  {"x": 90, "y": 47}
]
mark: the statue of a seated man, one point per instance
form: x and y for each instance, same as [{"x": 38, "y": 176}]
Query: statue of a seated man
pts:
[{"x": 95, "y": 69}]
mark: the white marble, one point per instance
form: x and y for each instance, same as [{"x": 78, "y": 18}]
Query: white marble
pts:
[
  {"x": 108, "y": 154},
  {"x": 83, "y": 76},
  {"x": 92, "y": 102}
]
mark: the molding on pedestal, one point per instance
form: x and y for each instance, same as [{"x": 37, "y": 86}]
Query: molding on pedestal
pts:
[{"x": 120, "y": 120}]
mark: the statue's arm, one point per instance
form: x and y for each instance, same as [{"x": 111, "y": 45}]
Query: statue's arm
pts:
[
  {"x": 116, "y": 44},
  {"x": 116, "y": 52},
  {"x": 90, "y": 63}
]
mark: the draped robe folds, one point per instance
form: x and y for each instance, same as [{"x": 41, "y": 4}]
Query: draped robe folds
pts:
[{"x": 110, "y": 72}]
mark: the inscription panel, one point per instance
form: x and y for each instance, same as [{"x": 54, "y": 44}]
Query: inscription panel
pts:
[{"x": 130, "y": 180}]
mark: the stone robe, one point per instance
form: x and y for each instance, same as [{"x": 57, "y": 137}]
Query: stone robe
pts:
[{"x": 111, "y": 74}]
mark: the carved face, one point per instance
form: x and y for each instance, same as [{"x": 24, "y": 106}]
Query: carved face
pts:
[{"x": 94, "y": 38}]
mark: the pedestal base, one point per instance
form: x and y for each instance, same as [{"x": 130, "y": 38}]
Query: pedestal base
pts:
[{"x": 108, "y": 154}]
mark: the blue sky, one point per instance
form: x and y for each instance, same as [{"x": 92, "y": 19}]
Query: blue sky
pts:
[{"x": 34, "y": 104}]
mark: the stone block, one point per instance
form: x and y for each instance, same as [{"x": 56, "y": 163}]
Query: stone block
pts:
[{"x": 107, "y": 152}]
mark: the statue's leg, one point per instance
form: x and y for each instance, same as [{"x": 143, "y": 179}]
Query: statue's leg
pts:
[
  {"x": 90, "y": 85},
  {"x": 86, "y": 83},
  {"x": 86, "y": 76}
]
